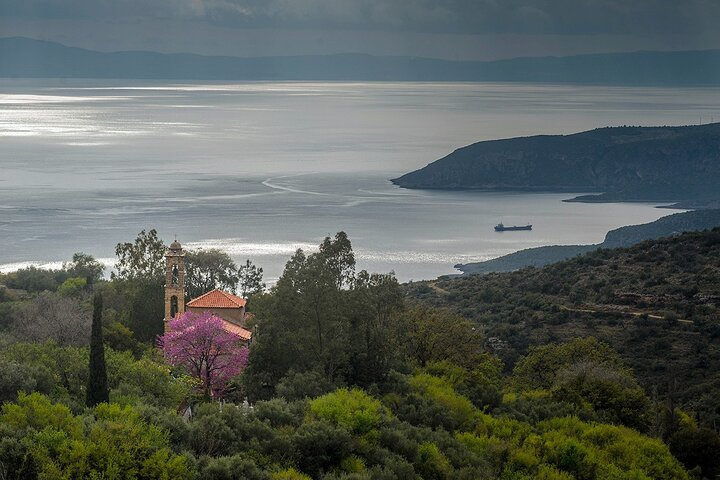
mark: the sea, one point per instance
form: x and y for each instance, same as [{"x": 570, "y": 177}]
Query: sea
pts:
[{"x": 262, "y": 169}]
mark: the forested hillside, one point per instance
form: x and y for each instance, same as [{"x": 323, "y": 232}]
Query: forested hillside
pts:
[
  {"x": 626, "y": 163},
  {"x": 349, "y": 378},
  {"x": 657, "y": 303}
]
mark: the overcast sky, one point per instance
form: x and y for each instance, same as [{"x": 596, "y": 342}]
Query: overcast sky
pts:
[{"x": 454, "y": 29}]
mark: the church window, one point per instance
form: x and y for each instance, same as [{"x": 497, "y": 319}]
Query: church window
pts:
[{"x": 173, "y": 306}]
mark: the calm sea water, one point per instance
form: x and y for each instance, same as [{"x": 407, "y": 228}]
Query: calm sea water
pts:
[{"x": 260, "y": 169}]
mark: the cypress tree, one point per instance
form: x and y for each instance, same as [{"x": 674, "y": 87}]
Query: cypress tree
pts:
[{"x": 97, "y": 389}]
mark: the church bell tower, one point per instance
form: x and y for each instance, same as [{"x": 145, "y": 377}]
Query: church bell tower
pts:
[{"x": 174, "y": 281}]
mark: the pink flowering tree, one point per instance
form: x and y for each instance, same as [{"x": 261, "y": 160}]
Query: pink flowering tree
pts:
[{"x": 198, "y": 343}]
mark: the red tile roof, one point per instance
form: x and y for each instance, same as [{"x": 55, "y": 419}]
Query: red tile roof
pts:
[
  {"x": 237, "y": 330},
  {"x": 217, "y": 299}
]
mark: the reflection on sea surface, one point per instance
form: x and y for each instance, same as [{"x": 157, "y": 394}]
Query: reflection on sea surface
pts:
[{"x": 261, "y": 169}]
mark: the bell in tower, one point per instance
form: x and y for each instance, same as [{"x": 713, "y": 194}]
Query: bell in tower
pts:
[{"x": 174, "y": 281}]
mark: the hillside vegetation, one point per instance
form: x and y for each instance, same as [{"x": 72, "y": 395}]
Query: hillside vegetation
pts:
[
  {"x": 626, "y": 163},
  {"x": 657, "y": 303},
  {"x": 346, "y": 380}
]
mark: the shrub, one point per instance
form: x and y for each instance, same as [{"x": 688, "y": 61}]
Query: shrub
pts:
[
  {"x": 353, "y": 410},
  {"x": 302, "y": 385},
  {"x": 431, "y": 463},
  {"x": 113, "y": 442},
  {"x": 280, "y": 412},
  {"x": 72, "y": 286},
  {"x": 289, "y": 474},
  {"x": 236, "y": 467},
  {"x": 441, "y": 392},
  {"x": 320, "y": 446},
  {"x": 697, "y": 447}
]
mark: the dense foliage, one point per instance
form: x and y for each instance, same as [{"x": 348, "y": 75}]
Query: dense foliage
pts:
[
  {"x": 97, "y": 389},
  {"x": 209, "y": 269},
  {"x": 657, "y": 303},
  {"x": 346, "y": 380},
  {"x": 414, "y": 426}
]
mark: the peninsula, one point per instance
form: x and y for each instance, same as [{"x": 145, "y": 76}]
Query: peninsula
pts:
[{"x": 659, "y": 164}]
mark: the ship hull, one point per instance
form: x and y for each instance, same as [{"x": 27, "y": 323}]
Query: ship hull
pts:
[{"x": 512, "y": 229}]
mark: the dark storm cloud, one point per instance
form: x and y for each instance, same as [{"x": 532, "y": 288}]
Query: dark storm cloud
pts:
[{"x": 438, "y": 16}]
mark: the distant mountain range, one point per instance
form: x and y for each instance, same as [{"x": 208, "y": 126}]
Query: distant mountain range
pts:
[
  {"x": 621, "y": 237},
  {"x": 677, "y": 164},
  {"x": 24, "y": 57}
]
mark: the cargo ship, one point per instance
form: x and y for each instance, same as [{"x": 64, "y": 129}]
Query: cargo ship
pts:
[{"x": 502, "y": 228}]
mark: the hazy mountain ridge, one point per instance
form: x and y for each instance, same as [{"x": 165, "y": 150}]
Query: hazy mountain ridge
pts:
[
  {"x": 620, "y": 237},
  {"x": 627, "y": 163},
  {"x": 24, "y": 57}
]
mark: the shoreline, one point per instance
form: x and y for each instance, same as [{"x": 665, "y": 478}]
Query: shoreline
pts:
[
  {"x": 622, "y": 237},
  {"x": 592, "y": 195}
]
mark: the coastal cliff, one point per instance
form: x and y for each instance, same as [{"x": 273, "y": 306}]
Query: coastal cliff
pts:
[{"x": 626, "y": 163}]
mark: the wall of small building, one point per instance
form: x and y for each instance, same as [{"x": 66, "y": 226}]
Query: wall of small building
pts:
[{"x": 234, "y": 315}]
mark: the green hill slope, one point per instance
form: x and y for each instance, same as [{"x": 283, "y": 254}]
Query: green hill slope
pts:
[{"x": 657, "y": 303}]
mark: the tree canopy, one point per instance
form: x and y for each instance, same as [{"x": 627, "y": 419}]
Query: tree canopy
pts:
[
  {"x": 347, "y": 379},
  {"x": 250, "y": 279},
  {"x": 142, "y": 259},
  {"x": 207, "y": 270}
]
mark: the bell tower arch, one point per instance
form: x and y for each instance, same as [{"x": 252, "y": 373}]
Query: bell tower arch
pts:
[{"x": 174, "y": 281}]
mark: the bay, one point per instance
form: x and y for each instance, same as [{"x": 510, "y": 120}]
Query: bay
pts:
[{"x": 260, "y": 169}]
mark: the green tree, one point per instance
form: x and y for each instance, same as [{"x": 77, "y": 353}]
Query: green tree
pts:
[
  {"x": 72, "y": 287},
  {"x": 119, "y": 337},
  {"x": 306, "y": 311},
  {"x": 431, "y": 462},
  {"x": 250, "y": 279},
  {"x": 432, "y": 335},
  {"x": 13, "y": 379},
  {"x": 615, "y": 395},
  {"x": 207, "y": 270},
  {"x": 97, "y": 388},
  {"x": 376, "y": 302},
  {"x": 85, "y": 266},
  {"x": 145, "y": 258},
  {"x": 697, "y": 447},
  {"x": 354, "y": 410},
  {"x": 140, "y": 275},
  {"x": 540, "y": 367},
  {"x": 61, "y": 372},
  {"x": 320, "y": 446},
  {"x": 33, "y": 279},
  {"x": 322, "y": 317},
  {"x": 146, "y": 308},
  {"x": 111, "y": 442},
  {"x": 300, "y": 385},
  {"x": 583, "y": 372},
  {"x": 339, "y": 258}
]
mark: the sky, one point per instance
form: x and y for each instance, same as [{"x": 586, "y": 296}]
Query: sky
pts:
[{"x": 450, "y": 29}]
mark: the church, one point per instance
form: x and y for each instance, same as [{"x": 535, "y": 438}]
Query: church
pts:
[{"x": 224, "y": 305}]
